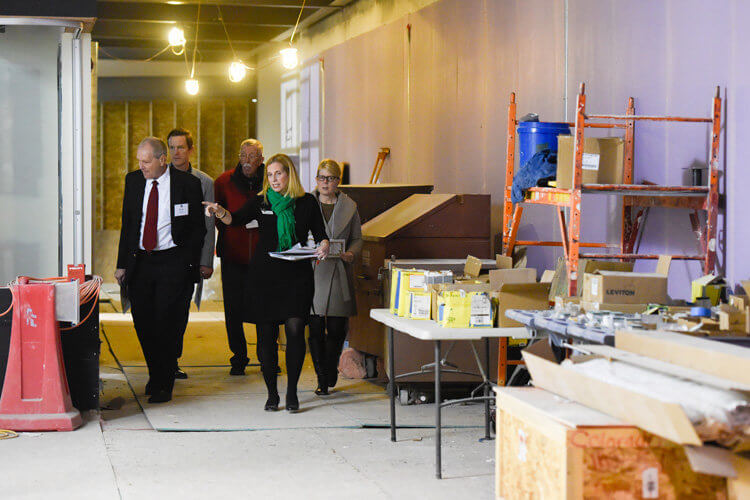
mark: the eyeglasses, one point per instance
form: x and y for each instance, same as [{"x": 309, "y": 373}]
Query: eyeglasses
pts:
[
  {"x": 327, "y": 178},
  {"x": 243, "y": 156}
]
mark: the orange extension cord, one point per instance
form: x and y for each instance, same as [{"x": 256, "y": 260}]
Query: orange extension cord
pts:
[{"x": 88, "y": 292}]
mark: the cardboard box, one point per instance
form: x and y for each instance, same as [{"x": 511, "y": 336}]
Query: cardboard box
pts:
[
  {"x": 503, "y": 262},
  {"x": 614, "y": 287},
  {"x": 499, "y": 277},
  {"x": 708, "y": 286},
  {"x": 519, "y": 296},
  {"x": 435, "y": 291},
  {"x": 602, "y": 161},
  {"x": 420, "y": 305},
  {"x": 473, "y": 266},
  {"x": 708, "y": 356},
  {"x": 739, "y": 301},
  {"x": 550, "y": 448},
  {"x": 559, "y": 284},
  {"x": 739, "y": 487},
  {"x": 460, "y": 309},
  {"x": 623, "y": 308},
  {"x": 547, "y": 276}
]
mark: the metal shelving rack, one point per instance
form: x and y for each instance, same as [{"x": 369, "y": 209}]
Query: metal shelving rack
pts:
[{"x": 637, "y": 198}]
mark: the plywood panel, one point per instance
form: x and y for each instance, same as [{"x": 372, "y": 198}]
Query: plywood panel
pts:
[
  {"x": 138, "y": 129},
  {"x": 125, "y": 124},
  {"x": 163, "y": 118},
  {"x": 187, "y": 117},
  {"x": 211, "y": 138},
  {"x": 235, "y": 130},
  {"x": 114, "y": 161}
]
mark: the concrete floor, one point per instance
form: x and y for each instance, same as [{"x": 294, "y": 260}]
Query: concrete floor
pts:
[{"x": 118, "y": 455}]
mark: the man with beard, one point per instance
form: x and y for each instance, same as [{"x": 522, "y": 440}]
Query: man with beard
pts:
[{"x": 235, "y": 244}]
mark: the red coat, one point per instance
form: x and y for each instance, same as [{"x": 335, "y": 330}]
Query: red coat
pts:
[{"x": 232, "y": 190}]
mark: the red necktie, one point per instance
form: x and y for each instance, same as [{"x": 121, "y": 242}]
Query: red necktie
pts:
[{"x": 152, "y": 216}]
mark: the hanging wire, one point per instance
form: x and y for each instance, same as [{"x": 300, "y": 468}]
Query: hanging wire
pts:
[
  {"x": 139, "y": 60},
  {"x": 297, "y": 23},
  {"x": 181, "y": 51},
  {"x": 221, "y": 18},
  {"x": 195, "y": 47}
]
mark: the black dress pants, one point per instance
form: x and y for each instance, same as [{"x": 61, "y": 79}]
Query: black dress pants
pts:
[
  {"x": 233, "y": 283},
  {"x": 325, "y": 348},
  {"x": 159, "y": 291}
]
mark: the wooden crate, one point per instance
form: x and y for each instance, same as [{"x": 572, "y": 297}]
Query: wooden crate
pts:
[{"x": 551, "y": 448}]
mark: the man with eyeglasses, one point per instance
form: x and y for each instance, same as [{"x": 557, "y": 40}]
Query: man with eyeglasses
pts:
[{"x": 235, "y": 244}]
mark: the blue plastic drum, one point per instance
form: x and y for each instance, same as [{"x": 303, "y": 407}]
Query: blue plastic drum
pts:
[{"x": 537, "y": 136}]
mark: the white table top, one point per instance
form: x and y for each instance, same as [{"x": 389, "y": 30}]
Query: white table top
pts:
[{"x": 430, "y": 330}]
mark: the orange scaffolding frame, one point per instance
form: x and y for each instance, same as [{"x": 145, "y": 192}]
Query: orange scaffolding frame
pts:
[{"x": 640, "y": 197}]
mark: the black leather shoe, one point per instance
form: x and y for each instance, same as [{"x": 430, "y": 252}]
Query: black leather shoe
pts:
[
  {"x": 160, "y": 396},
  {"x": 272, "y": 403},
  {"x": 321, "y": 391},
  {"x": 178, "y": 373},
  {"x": 148, "y": 389},
  {"x": 292, "y": 403},
  {"x": 237, "y": 370}
]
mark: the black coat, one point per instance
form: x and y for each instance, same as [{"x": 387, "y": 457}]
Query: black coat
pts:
[
  {"x": 279, "y": 289},
  {"x": 187, "y": 231}
]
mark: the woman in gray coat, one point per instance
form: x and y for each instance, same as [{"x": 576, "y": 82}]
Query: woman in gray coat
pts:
[{"x": 334, "y": 300}]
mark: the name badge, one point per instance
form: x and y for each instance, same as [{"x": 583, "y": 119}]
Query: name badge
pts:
[
  {"x": 252, "y": 224},
  {"x": 266, "y": 212},
  {"x": 180, "y": 209}
]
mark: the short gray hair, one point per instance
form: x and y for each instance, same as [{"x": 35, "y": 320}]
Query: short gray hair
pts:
[
  {"x": 252, "y": 142},
  {"x": 158, "y": 147}
]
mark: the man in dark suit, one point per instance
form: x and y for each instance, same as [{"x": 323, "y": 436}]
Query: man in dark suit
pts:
[{"x": 159, "y": 257}]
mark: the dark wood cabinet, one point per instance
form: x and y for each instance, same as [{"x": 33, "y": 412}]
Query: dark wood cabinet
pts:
[{"x": 424, "y": 226}]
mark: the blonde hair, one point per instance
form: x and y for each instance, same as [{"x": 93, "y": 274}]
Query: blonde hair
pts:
[
  {"x": 330, "y": 165},
  {"x": 294, "y": 189}
]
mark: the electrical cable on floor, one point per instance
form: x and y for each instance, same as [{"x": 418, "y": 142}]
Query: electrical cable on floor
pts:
[{"x": 6, "y": 434}]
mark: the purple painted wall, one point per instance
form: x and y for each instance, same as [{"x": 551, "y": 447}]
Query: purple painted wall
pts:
[{"x": 439, "y": 100}]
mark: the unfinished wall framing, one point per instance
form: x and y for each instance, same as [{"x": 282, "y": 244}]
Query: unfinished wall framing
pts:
[{"x": 218, "y": 127}]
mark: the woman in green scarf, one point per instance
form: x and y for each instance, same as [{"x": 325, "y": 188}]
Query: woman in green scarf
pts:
[{"x": 279, "y": 291}]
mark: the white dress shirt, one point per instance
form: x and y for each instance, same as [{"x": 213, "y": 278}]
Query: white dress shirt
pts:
[{"x": 164, "y": 221}]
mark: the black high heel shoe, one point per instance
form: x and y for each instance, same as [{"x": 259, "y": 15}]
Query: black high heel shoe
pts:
[
  {"x": 272, "y": 403},
  {"x": 292, "y": 403},
  {"x": 321, "y": 391}
]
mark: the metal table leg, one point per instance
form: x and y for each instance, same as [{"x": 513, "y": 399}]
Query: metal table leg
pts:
[
  {"x": 438, "y": 465},
  {"x": 487, "y": 390},
  {"x": 392, "y": 383}
]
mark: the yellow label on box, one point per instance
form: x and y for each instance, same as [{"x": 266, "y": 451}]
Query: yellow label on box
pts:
[{"x": 419, "y": 305}]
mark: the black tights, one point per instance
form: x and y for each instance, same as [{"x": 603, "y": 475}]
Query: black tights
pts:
[
  {"x": 268, "y": 351},
  {"x": 325, "y": 350}
]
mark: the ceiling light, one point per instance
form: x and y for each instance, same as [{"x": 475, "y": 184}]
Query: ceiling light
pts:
[
  {"x": 289, "y": 58},
  {"x": 176, "y": 37},
  {"x": 237, "y": 71},
  {"x": 254, "y": 99},
  {"x": 192, "y": 86},
  {"x": 172, "y": 2}
]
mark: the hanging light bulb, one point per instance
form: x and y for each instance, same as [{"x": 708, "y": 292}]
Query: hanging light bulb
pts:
[
  {"x": 192, "y": 86},
  {"x": 289, "y": 57},
  {"x": 237, "y": 71},
  {"x": 176, "y": 37}
]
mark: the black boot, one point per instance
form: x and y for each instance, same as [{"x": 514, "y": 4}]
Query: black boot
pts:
[
  {"x": 272, "y": 403},
  {"x": 292, "y": 403},
  {"x": 317, "y": 353}
]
